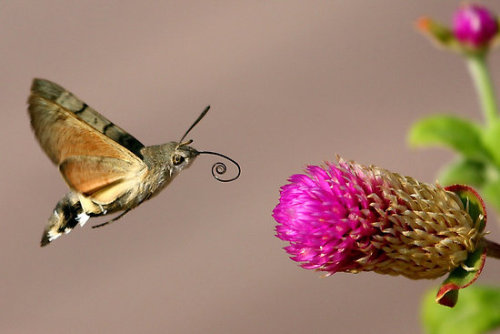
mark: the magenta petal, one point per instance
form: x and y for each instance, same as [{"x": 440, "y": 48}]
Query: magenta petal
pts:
[{"x": 323, "y": 213}]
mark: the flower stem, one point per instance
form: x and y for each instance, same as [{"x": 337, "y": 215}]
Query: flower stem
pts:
[
  {"x": 492, "y": 249},
  {"x": 478, "y": 69}
]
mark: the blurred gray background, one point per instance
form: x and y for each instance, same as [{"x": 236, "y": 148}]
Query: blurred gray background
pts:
[{"x": 290, "y": 83}]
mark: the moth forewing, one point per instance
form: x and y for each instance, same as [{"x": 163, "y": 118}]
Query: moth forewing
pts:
[
  {"x": 61, "y": 134},
  {"x": 57, "y": 95}
]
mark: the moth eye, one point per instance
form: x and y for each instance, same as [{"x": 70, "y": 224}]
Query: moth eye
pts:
[{"x": 177, "y": 159}]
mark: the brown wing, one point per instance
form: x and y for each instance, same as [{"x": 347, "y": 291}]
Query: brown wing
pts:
[
  {"x": 89, "y": 160},
  {"x": 59, "y": 96}
]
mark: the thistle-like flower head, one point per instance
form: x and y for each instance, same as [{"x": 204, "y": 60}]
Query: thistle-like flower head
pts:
[{"x": 347, "y": 217}]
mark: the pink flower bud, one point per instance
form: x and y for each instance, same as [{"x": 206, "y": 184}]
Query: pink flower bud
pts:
[{"x": 474, "y": 25}]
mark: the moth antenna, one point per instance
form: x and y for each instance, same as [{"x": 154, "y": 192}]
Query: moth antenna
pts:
[
  {"x": 204, "y": 112},
  {"x": 220, "y": 168}
]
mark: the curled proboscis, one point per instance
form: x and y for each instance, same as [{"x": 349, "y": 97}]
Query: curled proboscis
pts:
[{"x": 220, "y": 168}]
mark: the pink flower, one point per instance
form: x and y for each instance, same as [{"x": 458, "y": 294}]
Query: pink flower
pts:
[
  {"x": 474, "y": 25},
  {"x": 351, "y": 218}
]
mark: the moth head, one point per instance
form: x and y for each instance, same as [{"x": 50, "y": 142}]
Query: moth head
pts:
[{"x": 182, "y": 156}]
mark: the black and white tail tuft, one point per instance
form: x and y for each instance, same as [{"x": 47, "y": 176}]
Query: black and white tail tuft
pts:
[{"x": 67, "y": 214}]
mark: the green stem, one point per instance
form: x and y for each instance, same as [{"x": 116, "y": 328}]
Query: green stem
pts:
[{"x": 484, "y": 86}]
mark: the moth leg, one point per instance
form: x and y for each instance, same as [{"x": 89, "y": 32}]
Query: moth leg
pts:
[
  {"x": 66, "y": 215},
  {"x": 112, "y": 220},
  {"x": 102, "y": 209}
]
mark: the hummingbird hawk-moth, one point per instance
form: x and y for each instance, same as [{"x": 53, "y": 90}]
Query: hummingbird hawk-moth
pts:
[{"x": 106, "y": 168}]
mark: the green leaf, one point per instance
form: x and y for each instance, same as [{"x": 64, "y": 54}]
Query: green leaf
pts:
[
  {"x": 463, "y": 171},
  {"x": 462, "y": 135},
  {"x": 491, "y": 140},
  {"x": 477, "y": 312}
]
